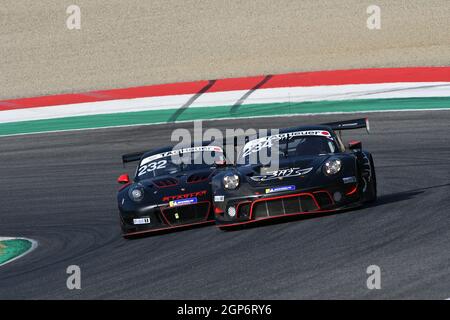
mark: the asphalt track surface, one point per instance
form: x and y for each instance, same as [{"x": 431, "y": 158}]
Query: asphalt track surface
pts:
[{"x": 59, "y": 189}]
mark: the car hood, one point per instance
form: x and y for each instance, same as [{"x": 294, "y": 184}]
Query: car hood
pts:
[
  {"x": 163, "y": 189},
  {"x": 291, "y": 169}
]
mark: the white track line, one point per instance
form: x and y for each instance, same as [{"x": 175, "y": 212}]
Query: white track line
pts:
[{"x": 34, "y": 245}]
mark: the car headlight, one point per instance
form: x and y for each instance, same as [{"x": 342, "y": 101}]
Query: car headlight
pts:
[
  {"x": 136, "y": 193},
  {"x": 332, "y": 166},
  {"x": 231, "y": 181}
]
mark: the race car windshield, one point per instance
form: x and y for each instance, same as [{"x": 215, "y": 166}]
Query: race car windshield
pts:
[
  {"x": 176, "y": 161},
  {"x": 282, "y": 146}
]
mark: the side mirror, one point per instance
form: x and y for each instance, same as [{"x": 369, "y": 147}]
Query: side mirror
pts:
[
  {"x": 123, "y": 179},
  {"x": 355, "y": 145},
  {"x": 219, "y": 163}
]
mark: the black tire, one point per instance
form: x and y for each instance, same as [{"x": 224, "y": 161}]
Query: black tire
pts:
[
  {"x": 371, "y": 193},
  {"x": 124, "y": 229}
]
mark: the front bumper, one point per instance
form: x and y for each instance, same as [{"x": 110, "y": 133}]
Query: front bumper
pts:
[
  {"x": 163, "y": 217},
  {"x": 257, "y": 207}
]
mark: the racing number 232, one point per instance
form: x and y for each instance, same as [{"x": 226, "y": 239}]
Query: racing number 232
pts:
[{"x": 152, "y": 166}]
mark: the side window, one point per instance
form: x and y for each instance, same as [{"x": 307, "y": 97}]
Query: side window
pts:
[{"x": 292, "y": 146}]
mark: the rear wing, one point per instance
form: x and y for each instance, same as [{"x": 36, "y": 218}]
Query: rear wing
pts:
[
  {"x": 350, "y": 124},
  {"x": 132, "y": 157},
  {"x": 136, "y": 156}
]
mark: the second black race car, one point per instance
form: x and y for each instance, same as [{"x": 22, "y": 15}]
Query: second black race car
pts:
[
  {"x": 171, "y": 189},
  {"x": 310, "y": 171}
]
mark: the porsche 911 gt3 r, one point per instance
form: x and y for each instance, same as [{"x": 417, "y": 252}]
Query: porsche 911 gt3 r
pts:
[
  {"x": 165, "y": 193},
  {"x": 315, "y": 173}
]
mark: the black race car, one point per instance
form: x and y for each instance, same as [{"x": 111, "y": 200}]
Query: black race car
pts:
[
  {"x": 171, "y": 189},
  {"x": 310, "y": 171}
]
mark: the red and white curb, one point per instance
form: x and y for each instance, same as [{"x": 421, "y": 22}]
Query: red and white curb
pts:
[
  {"x": 261, "y": 96},
  {"x": 388, "y": 83}
]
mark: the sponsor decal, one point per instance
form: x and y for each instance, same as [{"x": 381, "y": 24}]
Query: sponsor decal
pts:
[
  {"x": 180, "y": 151},
  {"x": 283, "y": 173},
  {"x": 145, "y": 220},
  {"x": 185, "y": 196},
  {"x": 266, "y": 142},
  {"x": 349, "y": 180},
  {"x": 219, "y": 198},
  {"x": 279, "y": 189},
  {"x": 182, "y": 202}
]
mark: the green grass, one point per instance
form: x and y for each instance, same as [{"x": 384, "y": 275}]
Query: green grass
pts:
[{"x": 9, "y": 249}]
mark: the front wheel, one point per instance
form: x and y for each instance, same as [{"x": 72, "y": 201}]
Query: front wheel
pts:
[{"x": 124, "y": 230}]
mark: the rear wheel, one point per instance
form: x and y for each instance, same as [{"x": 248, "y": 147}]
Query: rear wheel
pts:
[{"x": 371, "y": 192}]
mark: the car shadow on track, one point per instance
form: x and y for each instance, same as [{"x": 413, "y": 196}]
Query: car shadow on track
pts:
[
  {"x": 283, "y": 220},
  {"x": 382, "y": 200},
  {"x": 167, "y": 231},
  {"x": 394, "y": 197},
  {"x": 403, "y": 195}
]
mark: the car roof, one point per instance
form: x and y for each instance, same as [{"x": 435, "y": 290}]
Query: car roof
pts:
[{"x": 170, "y": 148}]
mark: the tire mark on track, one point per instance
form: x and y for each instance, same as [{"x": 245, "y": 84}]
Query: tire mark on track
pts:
[
  {"x": 242, "y": 99},
  {"x": 177, "y": 113}
]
